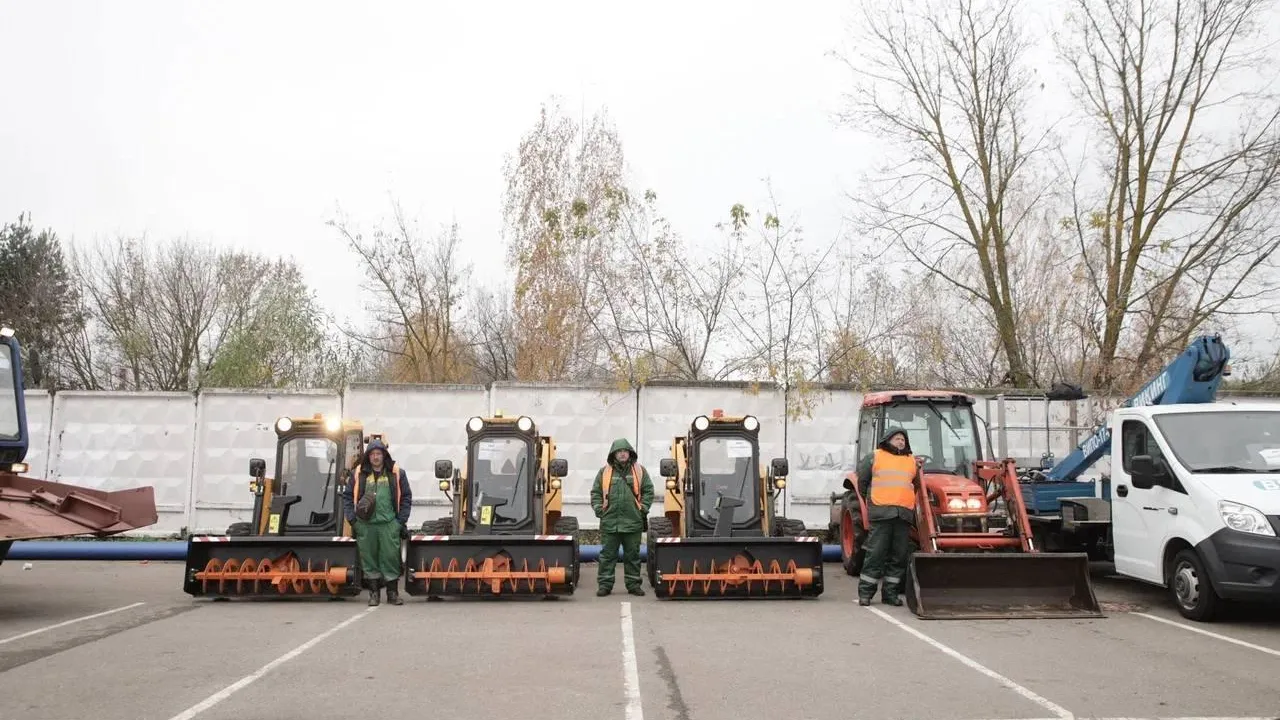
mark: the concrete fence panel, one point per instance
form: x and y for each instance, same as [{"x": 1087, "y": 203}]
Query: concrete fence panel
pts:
[
  {"x": 39, "y": 426},
  {"x": 234, "y": 426},
  {"x": 113, "y": 441},
  {"x": 821, "y": 449},
  {"x": 423, "y": 423}
]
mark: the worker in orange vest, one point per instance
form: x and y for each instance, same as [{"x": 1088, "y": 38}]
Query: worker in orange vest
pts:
[
  {"x": 886, "y": 479},
  {"x": 621, "y": 496}
]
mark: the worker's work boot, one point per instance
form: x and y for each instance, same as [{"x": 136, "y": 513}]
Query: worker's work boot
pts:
[
  {"x": 373, "y": 592},
  {"x": 864, "y": 601},
  {"x": 637, "y": 591},
  {"x": 603, "y": 591},
  {"x": 393, "y": 592}
]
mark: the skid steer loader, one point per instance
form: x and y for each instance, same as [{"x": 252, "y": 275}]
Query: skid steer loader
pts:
[
  {"x": 506, "y": 535},
  {"x": 974, "y": 555},
  {"x": 298, "y": 543},
  {"x": 719, "y": 535}
]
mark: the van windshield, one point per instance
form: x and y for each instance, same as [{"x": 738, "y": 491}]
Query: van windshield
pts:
[{"x": 1243, "y": 441}]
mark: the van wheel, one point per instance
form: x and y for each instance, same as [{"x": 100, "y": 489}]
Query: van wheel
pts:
[{"x": 1190, "y": 588}]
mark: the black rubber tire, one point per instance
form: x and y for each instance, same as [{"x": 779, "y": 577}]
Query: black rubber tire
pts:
[
  {"x": 568, "y": 525},
  {"x": 852, "y": 563},
  {"x": 660, "y": 526},
  {"x": 439, "y": 526},
  {"x": 240, "y": 529},
  {"x": 1187, "y": 574},
  {"x": 786, "y": 527}
]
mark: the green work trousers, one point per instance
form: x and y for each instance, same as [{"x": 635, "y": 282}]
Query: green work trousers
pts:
[
  {"x": 888, "y": 549},
  {"x": 630, "y": 543},
  {"x": 379, "y": 545}
]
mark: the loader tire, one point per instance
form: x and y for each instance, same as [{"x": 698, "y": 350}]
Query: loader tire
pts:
[
  {"x": 786, "y": 527},
  {"x": 439, "y": 526},
  {"x": 853, "y": 552},
  {"x": 240, "y": 529},
  {"x": 568, "y": 525},
  {"x": 658, "y": 527}
]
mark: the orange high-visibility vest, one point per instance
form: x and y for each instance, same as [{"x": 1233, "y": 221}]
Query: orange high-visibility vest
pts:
[
  {"x": 395, "y": 484},
  {"x": 608, "y": 478},
  {"x": 891, "y": 477}
]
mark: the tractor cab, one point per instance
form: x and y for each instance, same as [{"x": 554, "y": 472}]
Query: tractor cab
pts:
[
  {"x": 314, "y": 458},
  {"x": 511, "y": 482},
  {"x": 13, "y": 412},
  {"x": 942, "y": 428},
  {"x": 716, "y": 467}
]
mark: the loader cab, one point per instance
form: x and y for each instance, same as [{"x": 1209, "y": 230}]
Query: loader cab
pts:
[
  {"x": 13, "y": 411},
  {"x": 942, "y": 427},
  {"x": 314, "y": 459},
  {"x": 716, "y": 466},
  {"x": 511, "y": 483}
]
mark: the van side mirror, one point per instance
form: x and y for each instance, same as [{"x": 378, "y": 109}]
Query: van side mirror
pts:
[
  {"x": 667, "y": 467},
  {"x": 257, "y": 467},
  {"x": 559, "y": 467},
  {"x": 779, "y": 466},
  {"x": 444, "y": 469},
  {"x": 1147, "y": 473}
]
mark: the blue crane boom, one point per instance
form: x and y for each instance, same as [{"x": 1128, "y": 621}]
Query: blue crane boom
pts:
[{"x": 1192, "y": 377}]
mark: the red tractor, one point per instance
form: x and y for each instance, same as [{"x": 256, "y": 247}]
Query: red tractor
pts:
[{"x": 973, "y": 552}]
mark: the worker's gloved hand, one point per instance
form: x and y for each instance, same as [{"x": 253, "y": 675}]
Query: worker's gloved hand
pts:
[{"x": 404, "y": 531}]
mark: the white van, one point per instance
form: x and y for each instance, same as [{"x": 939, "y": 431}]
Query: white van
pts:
[{"x": 1195, "y": 501}]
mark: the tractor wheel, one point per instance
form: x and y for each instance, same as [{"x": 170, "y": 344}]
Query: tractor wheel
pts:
[
  {"x": 658, "y": 527},
  {"x": 852, "y": 543},
  {"x": 440, "y": 526},
  {"x": 786, "y": 527},
  {"x": 568, "y": 525},
  {"x": 240, "y": 529}
]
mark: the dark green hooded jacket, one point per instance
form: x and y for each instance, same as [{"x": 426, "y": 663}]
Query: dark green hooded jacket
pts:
[
  {"x": 621, "y": 515},
  {"x": 878, "y": 512}
]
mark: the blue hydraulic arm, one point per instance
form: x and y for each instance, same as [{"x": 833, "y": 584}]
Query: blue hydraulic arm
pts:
[{"x": 1192, "y": 377}]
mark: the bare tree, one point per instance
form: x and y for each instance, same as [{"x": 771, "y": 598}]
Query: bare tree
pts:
[
  {"x": 1184, "y": 227},
  {"x": 416, "y": 288},
  {"x": 946, "y": 82}
]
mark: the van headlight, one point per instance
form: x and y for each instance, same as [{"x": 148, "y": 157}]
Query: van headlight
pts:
[{"x": 1243, "y": 518}]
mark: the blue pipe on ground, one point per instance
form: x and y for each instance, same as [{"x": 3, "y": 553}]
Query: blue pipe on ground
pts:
[{"x": 161, "y": 550}]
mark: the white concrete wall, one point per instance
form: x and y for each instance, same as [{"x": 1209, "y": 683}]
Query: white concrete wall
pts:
[{"x": 195, "y": 449}]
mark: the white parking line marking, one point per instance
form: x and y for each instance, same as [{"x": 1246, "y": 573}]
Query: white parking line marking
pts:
[
  {"x": 630, "y": 671},
  {"x": 1052, "y": 707},
  {"x": 65, "y": 623},
  {"x": 1197, "y": 717},
  {"x": 1215, "y": 635},
  {"x": 247, "y": 680}
]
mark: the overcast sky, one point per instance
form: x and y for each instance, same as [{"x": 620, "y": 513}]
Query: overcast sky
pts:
[{"x": 251, "y": 123}]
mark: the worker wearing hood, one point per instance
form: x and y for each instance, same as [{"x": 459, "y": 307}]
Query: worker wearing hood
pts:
[
  {"x": 886, "y": 480},
  {"x": 377, "y": 504},
  {"x": 621, "y": 496}
]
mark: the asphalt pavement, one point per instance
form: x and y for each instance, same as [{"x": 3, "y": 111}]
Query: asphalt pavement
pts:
[{"x": 120, "y": 640}]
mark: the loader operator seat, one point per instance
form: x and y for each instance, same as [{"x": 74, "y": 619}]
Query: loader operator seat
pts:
[{"x": 719, "y": 475}]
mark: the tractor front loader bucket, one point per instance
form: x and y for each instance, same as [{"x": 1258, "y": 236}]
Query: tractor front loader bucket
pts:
[
  {"x": 719, "y": 567},
  {"x": 271, "y": 566},
  {"x": 965, "y": 586},
  {"x": 31, "y": 508},
  {"x": 491, "y": 565}
]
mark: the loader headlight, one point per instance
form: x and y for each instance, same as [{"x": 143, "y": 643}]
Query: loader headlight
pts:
[
  {"x": 750, "y": 423},
  {"x": 18, "y": 468},
  {"x": 283, "y": 425},
  {"x": 556, "y": 483},
  {"x": 1243, "y": 518},
  {"x": 475, "y": 424},
  {"x": 671, "y": 484},
  {"x": 524, "y": 423},
  {"x": 701, "y": 423},
  {"x": 973, "y": 503},
  {"x": 780, "y": 483},
  {"x": 333, "y": 425},
  {"x": 956, "y": 504},
  {"x": 444, "y": 485}
]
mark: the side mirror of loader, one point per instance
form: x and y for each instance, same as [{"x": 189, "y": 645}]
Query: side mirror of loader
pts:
[
  {"x": 779, "y": 466},
  {"x": 257, "y": 467},
  {"x": 667, "y": 467},
  {"x": 559, "y": 467},
  {"x": 444, "y": 469}
]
